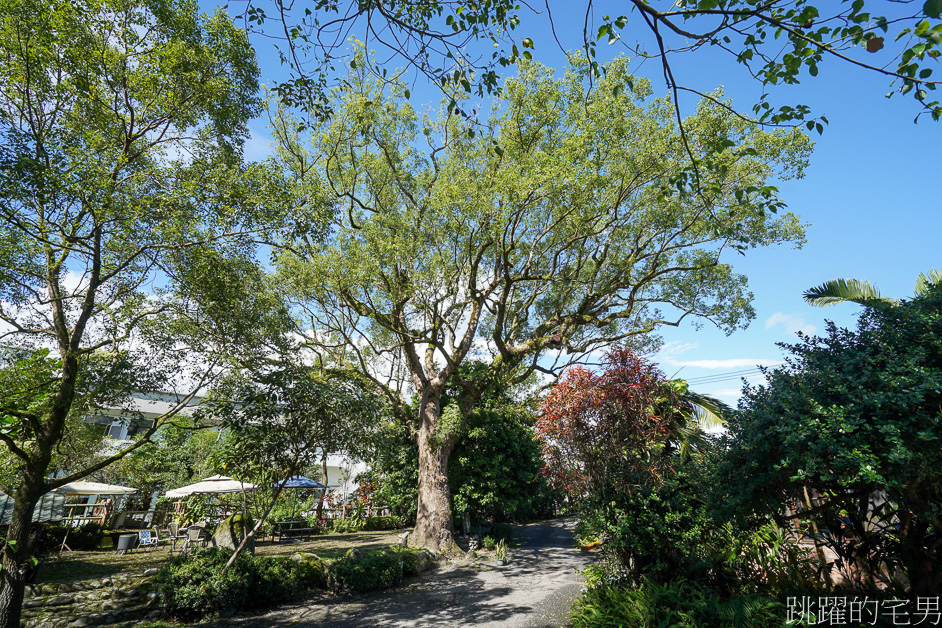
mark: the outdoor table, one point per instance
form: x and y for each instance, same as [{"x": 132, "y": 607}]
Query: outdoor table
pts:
[
  {"x": 283, "y": 529},
  {"x": 126, "y": 543}
]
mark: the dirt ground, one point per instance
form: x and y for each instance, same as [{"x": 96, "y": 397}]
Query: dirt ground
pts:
[{"x": 536, "y": 589}]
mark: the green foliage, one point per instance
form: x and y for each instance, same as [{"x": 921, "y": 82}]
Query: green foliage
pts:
[
  {"x": 500, "y": 550},
  {"x": 383, "y": 523},
  {"x": 495, "y": 468},
  {"x": 501, "y": 532},
  {"x": 194, "y": 585},
  {"x": 345, "y": 526},
  {"x": 854, "y": 417},
  {"x": 86, "y": 537},
  {"x": 179, "y": 455},
  {"x": 372, "y": 571},
  {"x": 664, "y": 531},
  {"x": 394, "y": 469},
  {"x": 676, "y": 603}
]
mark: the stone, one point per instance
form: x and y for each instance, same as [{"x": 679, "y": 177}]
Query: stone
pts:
[
  {"x": 105, "y": 582},
  {"x": 150, "y": 572},
  {"x": 424, "y": 561},
  {"x": 81, "y": 621},
  {"x": 403, "y": 540},
  {"x": 471, "y": 555},
  {"x": 154, "y": 614},
  {"x": 354, "y": 553},
  {"x": 95, "y": 584},
  {"x": 49, "y": 589},
  {"x": 232, "y": 530}
]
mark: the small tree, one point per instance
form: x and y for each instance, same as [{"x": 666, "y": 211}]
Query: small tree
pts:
[
  {"x": 277, "y": 419},
  {"x": 615, "y": 441}
]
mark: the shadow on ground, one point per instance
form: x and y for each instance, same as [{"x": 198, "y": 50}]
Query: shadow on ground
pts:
[{"x": 536, "y": 588}]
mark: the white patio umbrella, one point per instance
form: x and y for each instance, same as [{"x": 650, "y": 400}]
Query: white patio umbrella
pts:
[
  {"x": 95, "y": 488},
  {"x": 214, "y": 484}
]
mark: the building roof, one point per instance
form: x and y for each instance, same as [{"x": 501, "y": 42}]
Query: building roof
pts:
[{"x": 51, "y": 507}]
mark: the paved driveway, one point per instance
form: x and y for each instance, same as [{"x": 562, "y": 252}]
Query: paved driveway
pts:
[{"x": 536, "y": 589}]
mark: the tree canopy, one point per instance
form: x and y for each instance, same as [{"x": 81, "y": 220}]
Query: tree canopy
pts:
[{"x": 121, "y": 127}]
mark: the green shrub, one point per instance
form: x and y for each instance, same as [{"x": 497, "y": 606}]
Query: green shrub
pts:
[
  {"x": 311, "y": 572},
  {"x": 194, "y": 585},
  {"x": 677, "y": 603},
  {"x": 371, "y": 572},
  {"x": 344, "y": 526},
  {"x": 489, "y": 543},
  {"x": 383, "y": 523},
  {"x": 87, "y": 537},
  {"x": 410, "y": 561},
  {"x": 274, "y": 580},
  {"x": 501, "y": 532}
]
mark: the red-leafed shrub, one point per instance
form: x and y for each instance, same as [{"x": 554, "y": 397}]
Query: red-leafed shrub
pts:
[{"x": 611, "y": 431}]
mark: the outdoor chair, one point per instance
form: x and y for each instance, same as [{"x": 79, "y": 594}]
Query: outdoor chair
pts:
[
  {"x": 146, "y": 540},
  {"x": 195, "y": 535},
  {"x": 174, "y": 535}
]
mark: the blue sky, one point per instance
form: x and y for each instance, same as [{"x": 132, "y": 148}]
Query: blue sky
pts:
[{"x": 867, "y": 201}]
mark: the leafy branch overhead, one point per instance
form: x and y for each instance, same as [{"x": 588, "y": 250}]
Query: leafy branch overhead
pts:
[{"x": 464, "y": 45}]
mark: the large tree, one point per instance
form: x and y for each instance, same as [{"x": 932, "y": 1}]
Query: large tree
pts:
[
  {"x": 120, "y": 168},
  {"x": 572, "y": 220}
]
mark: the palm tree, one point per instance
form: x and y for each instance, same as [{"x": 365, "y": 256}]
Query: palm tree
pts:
[
  {"x": 836, "y": 291},
  {"x": 696, "y": 412}
]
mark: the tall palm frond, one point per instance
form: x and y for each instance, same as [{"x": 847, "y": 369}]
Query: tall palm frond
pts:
[
  {"x": 924, "y": 280},
  {"x": 836, "y": 291},
  {"x": 708, "y": 411},
  {"x": 862, "y": 292},
  {"x": 705, "y": 412}
]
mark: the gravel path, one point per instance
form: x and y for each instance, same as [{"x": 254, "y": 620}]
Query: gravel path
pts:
[{"x": 536, "y": 589}]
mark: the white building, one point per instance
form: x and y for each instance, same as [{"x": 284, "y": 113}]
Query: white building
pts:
[{"x": 121, "y": 425}]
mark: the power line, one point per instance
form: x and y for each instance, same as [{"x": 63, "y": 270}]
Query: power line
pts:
[{"x": 723, "y": 377}]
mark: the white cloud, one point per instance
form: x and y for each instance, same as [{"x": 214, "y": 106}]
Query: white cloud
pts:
[
  {"x": 792, "y": 323},
  {"x": 676, "y": 347}
]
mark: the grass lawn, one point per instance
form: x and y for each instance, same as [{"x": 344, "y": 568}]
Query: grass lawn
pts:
[{"x": 104, "y": 563}]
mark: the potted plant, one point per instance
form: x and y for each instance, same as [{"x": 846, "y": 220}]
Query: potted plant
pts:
[{"x": 500, "y": 553}]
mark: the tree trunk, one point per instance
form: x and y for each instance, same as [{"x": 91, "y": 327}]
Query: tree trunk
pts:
[
  {"x": 16, "y": 552},
  {"x": 434, "y": 528}
]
